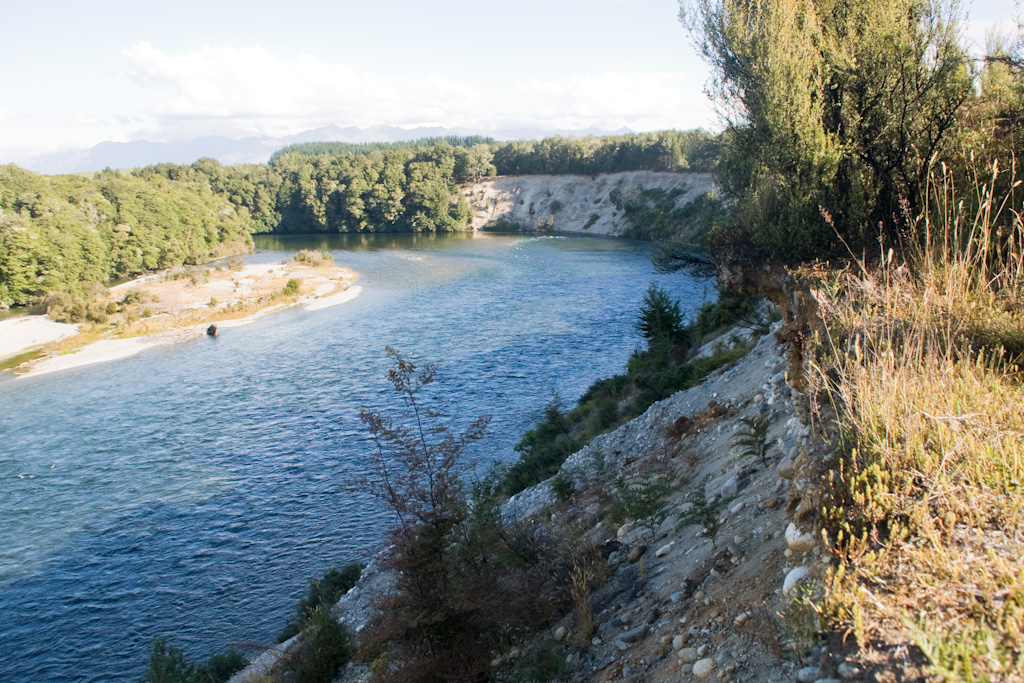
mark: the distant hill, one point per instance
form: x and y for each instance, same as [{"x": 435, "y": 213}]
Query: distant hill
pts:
[{"x": 256, "y": 150}]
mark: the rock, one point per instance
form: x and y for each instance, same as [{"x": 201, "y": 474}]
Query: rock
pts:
[
  {"x": 678, "y": 642},
  {"x": 730, "y": 488},
  {"x": 633, "y": 635},
  {"x": 778, "y": 378},
  {"x": 623, "y": 530},
  {"x": 737, "y": 508},
  {"x": 808, "y": 674},
  {"x": 620, "y": 645},
  {"x": 212, "y": 330},
  {"x": 734, "y": 550},
  {"x": 610, "y": 547},
  {"x": 794, "y": 578},
  {"x": 595, "y": 641},
  {"x": 636, "y": 553},
  {"x": 786, "y": 468},
  {"x": 741, "y": 619},
  {"x": 703, "y": 668},
  {"x": 828, "y": 680},
  {"x": 560, "y": 633},
  {"x": 847, "y": 671},
  {"x": 663, "y": 550},
  {"x": 723, "y": 657},
  {"x": 676, "y": 597},
  {"x": 688, "y": 654},
  {"x": 616, "y": 623},
  {"x": 738, "y": 540},
  {"x": 799, "y": 541}
]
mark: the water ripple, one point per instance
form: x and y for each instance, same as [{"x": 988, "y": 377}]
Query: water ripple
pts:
[{"x": 193, "y": 490}]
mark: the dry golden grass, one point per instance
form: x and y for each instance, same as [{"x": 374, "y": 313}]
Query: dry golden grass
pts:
[{"x": 929, "y": 515}]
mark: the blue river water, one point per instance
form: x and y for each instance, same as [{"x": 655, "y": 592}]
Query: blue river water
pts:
[{"x": 193, "y": 491}]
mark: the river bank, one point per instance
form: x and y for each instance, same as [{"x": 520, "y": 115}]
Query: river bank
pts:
[{"x": 171, "y": 306}]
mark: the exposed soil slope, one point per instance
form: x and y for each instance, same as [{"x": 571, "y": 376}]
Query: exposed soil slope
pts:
[{"x": 571, "y": 202}]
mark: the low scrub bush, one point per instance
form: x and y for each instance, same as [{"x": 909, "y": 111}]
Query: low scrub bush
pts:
[
  {"x": 324, "y": 591},
  {"x": 314, "y": 257}
]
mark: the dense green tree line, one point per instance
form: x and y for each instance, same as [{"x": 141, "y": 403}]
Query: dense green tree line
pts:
[
  {"x": 69, "y": 233},
  {"x": 839, "y": 113},
  {"x": 316, "y": 149},
  {"x": 669, "y": 150}
]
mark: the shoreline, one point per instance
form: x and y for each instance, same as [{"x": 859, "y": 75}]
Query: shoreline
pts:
[{"x": 105, "y": 350}]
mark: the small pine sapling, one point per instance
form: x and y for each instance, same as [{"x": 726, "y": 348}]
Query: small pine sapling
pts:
[
  {"x": 643, "y": 499},
  {"x": 705, "y": 512},
  {"x": 753, "y": 440}
]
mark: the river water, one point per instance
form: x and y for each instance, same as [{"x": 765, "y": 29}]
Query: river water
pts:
[{"x": 192, "y": 491}]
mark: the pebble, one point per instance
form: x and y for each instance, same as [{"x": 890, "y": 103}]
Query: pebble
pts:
[
  {"x": 799, "y": 541},
  {"x": 738, "y": 540},
  {"x": 847, "y": 670},
  {"x": 741, "y": 619},
  {"x": 678, "y": 642},
  {"x": 723, "y": 657},
  {"x": 560, "y": 633},
  {"x": 595, "y": 641},
  {"x": 794, "y": 578},
  {"x": 623, "y": 530},
  {"x": 737, "y": 508},
  {"x": 676, "y": 597},
  {"x": 808, "y": 674},
  {"x": 730, "y": 488},
  {"x": 786, "y": 468},
  {"x": 634, "y": 634},
  {"x": 636, "y": 553},
  {"x": 688, "y": 654},
  {"x": 703, "y": 668},
  {"x": 663, "y": 550}
]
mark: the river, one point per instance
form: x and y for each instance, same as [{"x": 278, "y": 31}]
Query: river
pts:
[{"x": 193, "y": 491}]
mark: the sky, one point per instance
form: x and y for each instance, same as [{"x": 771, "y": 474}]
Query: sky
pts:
[{"x": 73, "y": 74}]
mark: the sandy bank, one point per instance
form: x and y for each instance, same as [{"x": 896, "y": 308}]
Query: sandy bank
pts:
[
  {"x": 157, "y": 309},
  {"x": 23, "y": 334}
]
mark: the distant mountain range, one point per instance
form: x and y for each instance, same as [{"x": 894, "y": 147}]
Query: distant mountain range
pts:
[{"x": 257, "y": 149}]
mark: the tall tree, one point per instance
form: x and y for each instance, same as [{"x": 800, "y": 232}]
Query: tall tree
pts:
[{"x": 840, "y": 105}]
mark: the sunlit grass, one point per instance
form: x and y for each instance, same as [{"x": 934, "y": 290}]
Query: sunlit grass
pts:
[{"x": 929, "y": 507}]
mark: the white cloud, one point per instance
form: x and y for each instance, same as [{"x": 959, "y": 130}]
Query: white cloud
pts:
[{"x": 254, "y": 91}]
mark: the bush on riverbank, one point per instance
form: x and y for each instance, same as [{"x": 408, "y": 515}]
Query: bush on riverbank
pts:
[
  {"x": 651, "y": 375},
  {"x": 324, "y": 591},
  {"x": 168, "y": 664}
]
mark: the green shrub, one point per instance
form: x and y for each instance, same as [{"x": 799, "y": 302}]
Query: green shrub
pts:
[
  {"x": 324, "y": 591},
  {"x": 660, "y": 319},
  {"x": 168, "y": 664},
  {"x": 291, "y": 288},
  {"x": 324, "y": 651},
  {"x": 236, "y": 264}
]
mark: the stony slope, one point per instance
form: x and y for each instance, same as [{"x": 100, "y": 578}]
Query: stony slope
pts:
[{"x": 678, "y": 606}]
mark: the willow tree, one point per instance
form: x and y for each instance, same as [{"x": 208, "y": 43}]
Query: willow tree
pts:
[{"x": 834, "y": 107}]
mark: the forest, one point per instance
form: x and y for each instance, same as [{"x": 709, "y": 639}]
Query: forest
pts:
[{"x": 72, "y": 233}]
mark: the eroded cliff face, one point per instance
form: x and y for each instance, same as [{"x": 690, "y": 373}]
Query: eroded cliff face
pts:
[{"x": 572, "y": 203}]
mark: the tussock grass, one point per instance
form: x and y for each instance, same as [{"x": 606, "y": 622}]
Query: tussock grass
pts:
[{"x": 923, "y": 368}]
